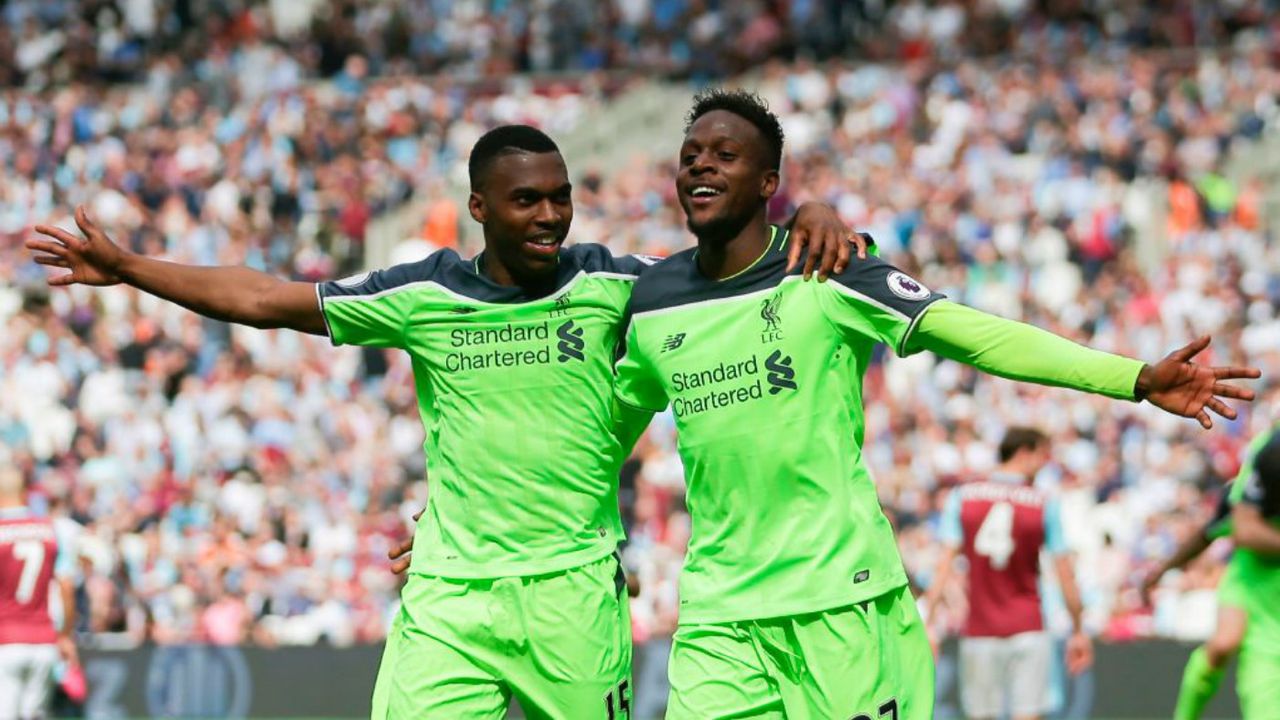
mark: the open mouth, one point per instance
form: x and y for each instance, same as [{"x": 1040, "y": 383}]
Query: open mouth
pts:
[
  {"x": 704, "y": 194},
  {"x": 544, "y": 245}
]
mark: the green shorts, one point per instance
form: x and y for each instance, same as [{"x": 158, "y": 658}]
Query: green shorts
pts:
[
  {"x": 870, "y": 661},
  {"x": 1258, "y": 675},
  {"x": 560, "y": 644}
]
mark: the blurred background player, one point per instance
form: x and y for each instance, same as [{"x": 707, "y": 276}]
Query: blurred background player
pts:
[
  {"x": 1208, "y": 663},
  {"x": 1255, "y": 520},
  {"x": 1000, "y": 525},
  {"x": 31, "y": 566}
]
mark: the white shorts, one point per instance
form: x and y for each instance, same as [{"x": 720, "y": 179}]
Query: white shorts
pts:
[
  {"x": 26, "y": 677},
  {"x": 1006, "y": 675}
]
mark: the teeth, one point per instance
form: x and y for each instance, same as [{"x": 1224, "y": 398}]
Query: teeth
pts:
[
  {"x": 704, "y": 191},
  {"x": 544, "y": 241}
]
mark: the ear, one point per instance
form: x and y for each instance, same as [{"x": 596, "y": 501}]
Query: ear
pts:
[
  {"x": 769, "y": 185},
  {"x": 475, "y": 205}
]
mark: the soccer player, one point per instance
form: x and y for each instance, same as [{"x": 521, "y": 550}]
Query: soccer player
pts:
[
  {"x": 1255, "y": 520},
  {"x": 793, "y": 600},
  {"x": 1001, "y": 525},
  {"x": 514, "y": 589},
  {"x": 1245, "y": 577},
  {"x": 30, "y": 566}
]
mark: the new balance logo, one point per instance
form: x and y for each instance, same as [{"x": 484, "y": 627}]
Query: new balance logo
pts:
[
  {"x": 571, "y": 342},
  {"x": 672, "y": 342},
  {"x": 781, "y": 376}
]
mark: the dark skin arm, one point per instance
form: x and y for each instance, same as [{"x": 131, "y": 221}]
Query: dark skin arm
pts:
[
  {"x": 1251, "y": 530},
  {"x": 1187, "y": 550},
  {"x": 231, "y": 294},
  {"x": 1178, "y": 385}
]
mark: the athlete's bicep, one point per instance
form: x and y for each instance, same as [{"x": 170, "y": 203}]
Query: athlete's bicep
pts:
[
  {"x": 875, "y": 300},
  {"x": 293, "y": 305}
]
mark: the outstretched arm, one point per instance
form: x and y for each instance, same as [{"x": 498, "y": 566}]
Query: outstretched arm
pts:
[
  {"x": 1019, "y": 351},
  {"x": 232, "y": 294}
]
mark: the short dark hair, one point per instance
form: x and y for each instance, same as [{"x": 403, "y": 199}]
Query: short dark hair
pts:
[
  {"x": 746, "y": 105},
  {"x": 505, "y": 140},
  {"x": 1017, "y": 439}
]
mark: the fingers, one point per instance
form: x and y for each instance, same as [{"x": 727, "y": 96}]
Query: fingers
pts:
[
  {"x": 398, "y": 567},
  {"x": 859, "y": 242},
  {"x": 53, "y": 249},
  {"x": 1205, "y": 421},
  {"x": 52, "y": 261},
  {"x": 1221, "y": 408},
  {"x": 401, "y": 550},
  {"x": 62, "y": 280},
  {"x": 62, "y": 236},
  {"x": 835, "y": 250},
  {"x": 1235, "y": 392},
  {"x": 797, "y": 242},
  {"x": 810, "y": 259},
  {"x": 1236, "y": 373},
  {"x": 1191, "y": 349},
  {"x": 842, "y": 255},
  {"x": 84, "y": 223}
]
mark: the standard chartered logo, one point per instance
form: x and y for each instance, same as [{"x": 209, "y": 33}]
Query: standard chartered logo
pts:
[
  {"x": 514, "y": 345},
  {"x": 571, "y": 342},
  {"x": 731, "y": 383}
]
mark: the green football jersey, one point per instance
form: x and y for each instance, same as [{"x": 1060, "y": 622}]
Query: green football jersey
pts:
[
  {"x": 516, "y": 396},
  {"x": 763, "y": 373}
]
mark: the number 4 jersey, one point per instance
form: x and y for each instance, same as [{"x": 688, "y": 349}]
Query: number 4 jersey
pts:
[
  {"x": 28, "y": 551},
  {"x": 1001, "y": 525}
]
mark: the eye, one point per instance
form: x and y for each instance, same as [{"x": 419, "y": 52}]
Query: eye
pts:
[
  {"x": 727, "y": 156},
  {"x": 687, "y": 158}
]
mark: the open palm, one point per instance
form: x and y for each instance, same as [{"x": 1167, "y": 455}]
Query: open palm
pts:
[
  {"x": 93, "y": 260},
  {"x": 1180, "y": 386}
]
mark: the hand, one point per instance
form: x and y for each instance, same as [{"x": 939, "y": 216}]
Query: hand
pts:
[
  {"x": 400, "y": 553},
  {"x": 633, "y": 586},
  {"x": 819, "y": 228},
  {"x": 1179, "y": 386},
  {"x": 1079, "y": 653},
  {"x": 94, "y": 260},
  {"x": 67, "y": 649}
]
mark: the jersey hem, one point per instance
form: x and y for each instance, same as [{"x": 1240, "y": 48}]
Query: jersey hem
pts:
[
  {"x": 766, "y": 611},
  {"x": 489, "y": 571}
]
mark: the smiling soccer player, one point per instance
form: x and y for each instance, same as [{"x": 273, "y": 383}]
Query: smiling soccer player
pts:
[
  {"x": 514, "y": 589},
  {"x": 793, "y": 599}
]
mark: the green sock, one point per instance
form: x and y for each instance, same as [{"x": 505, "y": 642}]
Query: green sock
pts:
[{"x": 1199, "y": 683}]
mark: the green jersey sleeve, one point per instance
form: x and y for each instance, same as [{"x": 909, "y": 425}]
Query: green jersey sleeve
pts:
[
  {"x": 373, "y": 308},
  {"x": 1018, "y": 351},
  {"x": 637, "y": 385},
  {"x": 873, "y": 300}
]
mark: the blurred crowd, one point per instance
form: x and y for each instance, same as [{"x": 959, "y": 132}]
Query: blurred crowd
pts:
[
  {"x": 45, "y": 41},
  {"x": 234, "y": 485}
]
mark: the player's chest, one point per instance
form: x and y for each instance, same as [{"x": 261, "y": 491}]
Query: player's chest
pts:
[
  {"x": 721, "y": 359},
  {"x": 473, "y": 347}
]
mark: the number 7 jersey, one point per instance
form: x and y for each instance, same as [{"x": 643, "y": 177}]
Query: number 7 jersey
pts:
[{"x": 28, "y": 551}]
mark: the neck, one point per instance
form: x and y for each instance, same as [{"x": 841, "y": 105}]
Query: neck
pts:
[
  {"x": 724, "y": 255},
  {"x": 1015, "y": 468},
  {"x": 492, "y": 267}
]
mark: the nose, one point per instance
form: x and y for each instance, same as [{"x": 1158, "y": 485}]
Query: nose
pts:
[{"x": 547, "y": 213}]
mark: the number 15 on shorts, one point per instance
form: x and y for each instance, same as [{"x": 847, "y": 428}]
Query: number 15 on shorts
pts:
[{"x": 617, "y": 703}]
